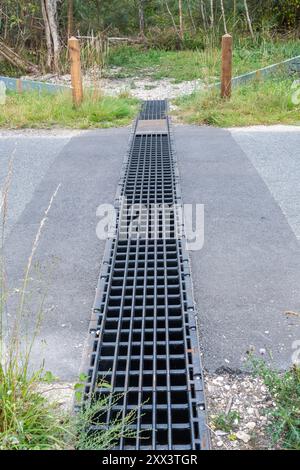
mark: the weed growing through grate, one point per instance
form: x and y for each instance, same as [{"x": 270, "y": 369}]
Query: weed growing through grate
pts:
[
  {"x": 90, "y": 429},
  {"x": 145, "y": 331}
]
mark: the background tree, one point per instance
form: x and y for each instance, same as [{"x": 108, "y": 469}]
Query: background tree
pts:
[
  {"x": 212, "y": 16},
  {"x": 141, "y": 17},
  {"x": 248, "y": 18},
  {"x": 37, "y": 30},
  {"x": 181, "y": 31},
  {"x": 223, "y": 16},
  {"x": 49, "y": 12}
]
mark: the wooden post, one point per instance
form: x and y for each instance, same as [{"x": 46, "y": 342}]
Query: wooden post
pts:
[
  {"x": 226, "y": 66},
  {"x": 76, "y": 79}
]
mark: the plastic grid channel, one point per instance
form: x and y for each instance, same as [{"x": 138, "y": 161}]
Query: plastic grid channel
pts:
[
  {"x": 145, "y": 341},
  {"x": 153, "y": 109}
]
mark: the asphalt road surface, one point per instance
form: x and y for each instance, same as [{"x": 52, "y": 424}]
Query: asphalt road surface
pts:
[{"x": 245, "y": 277}]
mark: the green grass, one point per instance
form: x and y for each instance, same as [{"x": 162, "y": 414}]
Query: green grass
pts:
[
  {"x": 34, "y": 110},
  {"x": 203, "y": 64},
  {"x": 267, "y": 102},
  {"x": 27, "y": 420},
  {"x": 284, "y": 389}
]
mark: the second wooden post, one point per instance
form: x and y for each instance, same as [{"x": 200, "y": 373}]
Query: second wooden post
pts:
[
  {"x": 76, "y": 79},
  {"x": 226, "y": 77}
]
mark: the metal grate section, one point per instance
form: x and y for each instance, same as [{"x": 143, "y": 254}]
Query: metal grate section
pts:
[
  {"x": 145, "y": 342},
  {"x": 153, "y": 109}
]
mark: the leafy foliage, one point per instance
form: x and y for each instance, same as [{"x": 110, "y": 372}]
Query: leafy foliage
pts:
[
  {"x": 284, "y": 389},
  {"x": 21, "y": 21},
  {"x": 226, "y": 422}
]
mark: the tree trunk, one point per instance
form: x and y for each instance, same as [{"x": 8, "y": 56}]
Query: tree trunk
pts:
[
  {"x": 248, "y": 19},
  {"x": 212, "y": 16},
  {"x": 70, "y": 18},
  {"x": 172, "y": 18},
  {"x": 142, "y": 17},
  {"x": 223, "y": 16},
  {"x": 49, "y": 11},
  {"x": 203, "y": 14},
  {"x": 181, "y": 32},
  {"x": 48, "y": 37},
  {"x": 191, "y": 16}
]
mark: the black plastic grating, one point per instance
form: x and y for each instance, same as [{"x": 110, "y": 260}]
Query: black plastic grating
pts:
[
  {"x": 153, "y": 109},
  {"x": 145, "y": 340}
]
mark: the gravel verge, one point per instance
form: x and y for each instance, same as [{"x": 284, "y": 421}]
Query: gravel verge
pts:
[
  {"x": 247, "y": 399},
  {"x": 145, "y": 88}
]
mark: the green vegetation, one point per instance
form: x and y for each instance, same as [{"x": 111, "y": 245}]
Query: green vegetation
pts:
[
  {"x": 90, "y": 416},
  {"x": 203, "y": 64},
  {"x": 226, "y": 422},
  {"x": 153, "y": 23},
  {"x": 49, "y": 110},
  {"x": 27, "y": 420},
  {"x": 267, "y": 102},
  {"x": 284, "y": 389}
]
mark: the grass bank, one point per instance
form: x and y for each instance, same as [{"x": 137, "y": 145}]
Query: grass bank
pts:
[
  {"x": 34, "y": 110},
  {"x": 284, "y": 389},
  {"x": 266, "y": 102},
  {"x": 203, "y": 63}
]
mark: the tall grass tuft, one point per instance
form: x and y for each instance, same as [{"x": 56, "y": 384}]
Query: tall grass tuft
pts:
[
  {"x": 266, "y": 102},
  {"x": 45, "y": 110}
]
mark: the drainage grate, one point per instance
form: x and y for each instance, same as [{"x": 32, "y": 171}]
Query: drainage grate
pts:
[
  {"x": 153, "y": 109},
  {"x": 144, "y": 330}
]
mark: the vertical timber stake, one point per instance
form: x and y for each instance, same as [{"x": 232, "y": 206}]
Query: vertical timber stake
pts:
[
  {"x": 76, "y": 79},
  {"x": 226, "y": 66}
]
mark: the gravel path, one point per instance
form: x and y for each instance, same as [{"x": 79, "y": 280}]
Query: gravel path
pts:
[{"x": 142, "y": 88}]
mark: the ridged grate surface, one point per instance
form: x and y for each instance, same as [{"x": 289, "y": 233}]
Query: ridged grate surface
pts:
[
  {"x": 145, "y": 340},
  {"x": 153, "y": 109}
]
